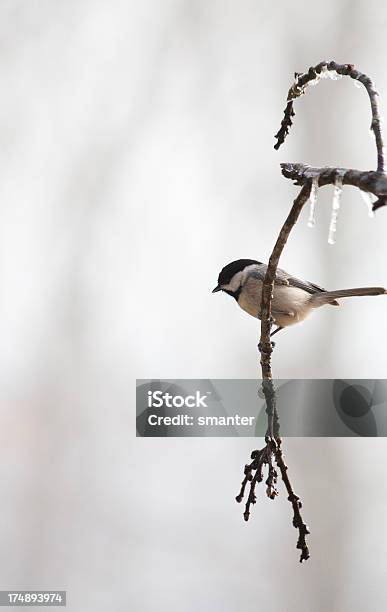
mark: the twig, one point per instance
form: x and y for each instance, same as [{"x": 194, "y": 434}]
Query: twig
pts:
[
  {"x": 298, "y": 522},
  {"x": 260, "y": 458},
  {"x": 266, "y": 456}
]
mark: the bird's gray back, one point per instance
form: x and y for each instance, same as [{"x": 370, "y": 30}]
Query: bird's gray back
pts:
[{"x": 284, "y": 278}]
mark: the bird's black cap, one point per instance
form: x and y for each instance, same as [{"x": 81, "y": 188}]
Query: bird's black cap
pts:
[{"x": 232, "y": 268}]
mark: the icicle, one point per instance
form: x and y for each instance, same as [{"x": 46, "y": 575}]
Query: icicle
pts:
[
  {"x": 312, "y": 200},
  {"x": 338, "y": 188},
  {"x": 369, "y": 199}
]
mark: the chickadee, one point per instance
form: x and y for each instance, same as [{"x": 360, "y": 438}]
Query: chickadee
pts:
[{"x": 293, "y": 299}]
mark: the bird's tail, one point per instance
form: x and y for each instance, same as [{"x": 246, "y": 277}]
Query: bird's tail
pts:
[{"x": 328, "y": 297}]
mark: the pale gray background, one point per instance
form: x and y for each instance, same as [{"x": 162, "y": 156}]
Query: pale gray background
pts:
[{"x": 136, "y": 160}]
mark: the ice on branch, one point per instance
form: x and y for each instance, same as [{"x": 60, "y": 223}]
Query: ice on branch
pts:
[
  {"x": 369, "y": 199},
  {"x": 312, "y": 202},
  {"x": 337, "y": 191},
  {"x": 329, "y": 74},
  {"x": 325, "y": 74},
  {"x": 299, "y": 89}
]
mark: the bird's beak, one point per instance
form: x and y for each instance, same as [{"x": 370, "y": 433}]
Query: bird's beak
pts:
[{"x": 217, "y": 288}]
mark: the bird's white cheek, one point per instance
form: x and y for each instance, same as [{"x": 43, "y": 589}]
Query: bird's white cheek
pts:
[{"x": 234, "y": 284}]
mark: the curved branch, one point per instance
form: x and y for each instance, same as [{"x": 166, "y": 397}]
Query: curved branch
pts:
[{"x": 331, "y": 69}]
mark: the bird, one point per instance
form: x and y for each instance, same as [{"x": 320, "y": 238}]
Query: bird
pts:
[{"x": 293, "y": 299}]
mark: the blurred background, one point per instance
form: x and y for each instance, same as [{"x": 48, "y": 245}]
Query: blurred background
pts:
[{"x": 137, "y": 159}]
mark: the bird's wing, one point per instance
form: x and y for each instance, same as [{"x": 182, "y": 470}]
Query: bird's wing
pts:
[
  {"x": 284, "y": 278},
  {"x": 305, "y": 285}
]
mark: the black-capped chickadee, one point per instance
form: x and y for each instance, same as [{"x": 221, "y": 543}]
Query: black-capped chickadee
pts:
[{"x": 293, "y": 299}]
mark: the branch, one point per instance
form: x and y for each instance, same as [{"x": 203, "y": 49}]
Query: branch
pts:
[
  {"x": 333, "y": 70},
  {"x": 268, "y": 283},
  {"x": 273, "y": 439},
  {"x": 273, "y": 451},
  {"x": 371, "y": 182},
  {"x": 368, "y": 181}
]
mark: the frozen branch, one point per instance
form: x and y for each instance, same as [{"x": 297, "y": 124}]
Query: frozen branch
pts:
[{"x": 368, "y": 181}]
